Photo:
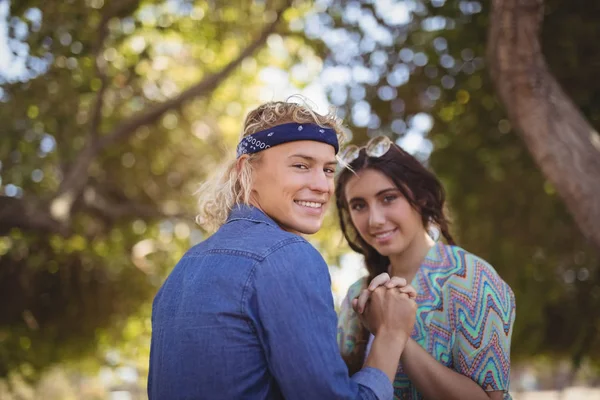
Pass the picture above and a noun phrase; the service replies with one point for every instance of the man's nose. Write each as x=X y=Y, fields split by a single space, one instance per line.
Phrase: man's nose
x=320 y=182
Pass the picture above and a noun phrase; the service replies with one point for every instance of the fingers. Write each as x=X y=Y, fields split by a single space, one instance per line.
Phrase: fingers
x=409 y=290
x=379 y=280
x=355 y=305
x=364 y=296
x=395 y=281
x=383 y=279
x=361 y=301
x=402 y=285
x=403 y=295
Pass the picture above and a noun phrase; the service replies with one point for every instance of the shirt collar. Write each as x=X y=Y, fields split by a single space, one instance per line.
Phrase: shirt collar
x=250 y=213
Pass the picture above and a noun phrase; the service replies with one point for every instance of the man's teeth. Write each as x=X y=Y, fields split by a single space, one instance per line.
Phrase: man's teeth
x=384 y=235
x=310 y=204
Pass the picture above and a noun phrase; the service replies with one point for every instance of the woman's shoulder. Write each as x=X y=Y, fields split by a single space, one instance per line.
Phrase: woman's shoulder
x=475 y=278
x=463 y=262
x=471 y=270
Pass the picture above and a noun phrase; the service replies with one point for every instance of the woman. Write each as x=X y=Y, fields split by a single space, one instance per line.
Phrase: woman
x=391 y=210
x=248 y=313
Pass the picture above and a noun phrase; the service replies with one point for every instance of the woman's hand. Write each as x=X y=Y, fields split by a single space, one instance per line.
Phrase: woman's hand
x=389 y=312
x=359 y=303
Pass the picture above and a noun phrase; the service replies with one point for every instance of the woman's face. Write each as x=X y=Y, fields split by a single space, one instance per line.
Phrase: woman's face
x=380 y=213
x=293 y=183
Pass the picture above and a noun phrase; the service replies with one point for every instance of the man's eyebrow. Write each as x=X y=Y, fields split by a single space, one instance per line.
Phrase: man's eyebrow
x=312 y=159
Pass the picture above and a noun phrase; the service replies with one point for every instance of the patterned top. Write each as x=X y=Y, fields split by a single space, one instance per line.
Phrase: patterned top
x=464 y=319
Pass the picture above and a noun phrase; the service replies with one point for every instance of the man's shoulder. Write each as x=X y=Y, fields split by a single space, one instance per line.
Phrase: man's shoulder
x=248 y=238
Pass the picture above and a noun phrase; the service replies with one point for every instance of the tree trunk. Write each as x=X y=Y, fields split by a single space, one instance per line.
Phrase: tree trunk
x=563 y=144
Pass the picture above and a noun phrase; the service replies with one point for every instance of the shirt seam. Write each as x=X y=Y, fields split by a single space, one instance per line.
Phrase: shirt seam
x=251 y=220
x=242 y=253
x=257 y=257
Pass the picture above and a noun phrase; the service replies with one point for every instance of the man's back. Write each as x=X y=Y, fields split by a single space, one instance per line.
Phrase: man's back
x=204 y=341
x=248 y=314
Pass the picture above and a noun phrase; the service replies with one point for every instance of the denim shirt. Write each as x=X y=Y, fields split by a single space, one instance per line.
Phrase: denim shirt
x=249 y=314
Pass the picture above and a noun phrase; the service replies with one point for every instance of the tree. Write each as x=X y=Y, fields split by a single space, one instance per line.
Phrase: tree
x=126 y=106
x=563 y=143
x=430 y=58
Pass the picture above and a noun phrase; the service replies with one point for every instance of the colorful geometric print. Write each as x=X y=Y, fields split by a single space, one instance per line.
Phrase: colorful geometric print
x=464 y=319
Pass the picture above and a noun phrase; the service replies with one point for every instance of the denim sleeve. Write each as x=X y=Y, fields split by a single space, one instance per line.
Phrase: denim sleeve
x=297 y=325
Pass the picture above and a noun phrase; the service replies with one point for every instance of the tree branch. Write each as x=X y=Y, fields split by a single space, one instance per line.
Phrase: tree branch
x=100 y=66
x=76 y=178
x=98 y=106
x=128 y=128
x=21 y=213
x=118 y=10
x=563 y=144
x=126 y=209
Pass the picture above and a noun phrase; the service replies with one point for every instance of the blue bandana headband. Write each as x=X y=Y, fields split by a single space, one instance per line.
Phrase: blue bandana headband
x=280 y=134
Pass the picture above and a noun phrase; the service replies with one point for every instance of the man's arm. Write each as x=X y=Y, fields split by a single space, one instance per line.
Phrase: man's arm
x=297 y=324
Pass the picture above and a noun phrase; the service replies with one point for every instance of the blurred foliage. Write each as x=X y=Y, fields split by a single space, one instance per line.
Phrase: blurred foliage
x=84 y=293
x=412 y=57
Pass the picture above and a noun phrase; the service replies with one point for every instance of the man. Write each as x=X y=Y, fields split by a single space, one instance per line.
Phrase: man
x=248 y=313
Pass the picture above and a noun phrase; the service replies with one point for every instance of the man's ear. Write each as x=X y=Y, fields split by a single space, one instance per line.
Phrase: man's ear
x=240 y=162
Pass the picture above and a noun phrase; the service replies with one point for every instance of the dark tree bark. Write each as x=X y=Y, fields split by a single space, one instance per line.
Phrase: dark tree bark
x=562 y=142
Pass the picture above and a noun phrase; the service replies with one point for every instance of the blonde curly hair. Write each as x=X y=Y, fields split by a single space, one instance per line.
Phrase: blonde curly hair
x=230 y=187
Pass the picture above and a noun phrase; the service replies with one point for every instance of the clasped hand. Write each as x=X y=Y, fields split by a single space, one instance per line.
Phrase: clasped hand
x=387 y=303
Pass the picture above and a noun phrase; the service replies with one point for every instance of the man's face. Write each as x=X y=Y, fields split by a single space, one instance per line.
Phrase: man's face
x=293 y=182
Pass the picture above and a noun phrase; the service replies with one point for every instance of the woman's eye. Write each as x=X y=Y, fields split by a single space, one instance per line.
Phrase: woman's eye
x=329 y=170
x=357 y=206
x=389 y=199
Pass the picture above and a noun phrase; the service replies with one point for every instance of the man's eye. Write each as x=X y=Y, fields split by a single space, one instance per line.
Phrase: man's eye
x=300 y=166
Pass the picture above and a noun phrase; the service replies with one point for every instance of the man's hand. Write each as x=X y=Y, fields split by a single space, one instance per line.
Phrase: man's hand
x=390 y=312
x=384 y=279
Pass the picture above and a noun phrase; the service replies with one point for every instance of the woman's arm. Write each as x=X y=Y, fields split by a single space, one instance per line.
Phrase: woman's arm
x=481 y=319
x=494 y=318
x=438 y=382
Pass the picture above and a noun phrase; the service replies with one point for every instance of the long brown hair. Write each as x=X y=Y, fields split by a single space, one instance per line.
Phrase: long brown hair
x=422 y=190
